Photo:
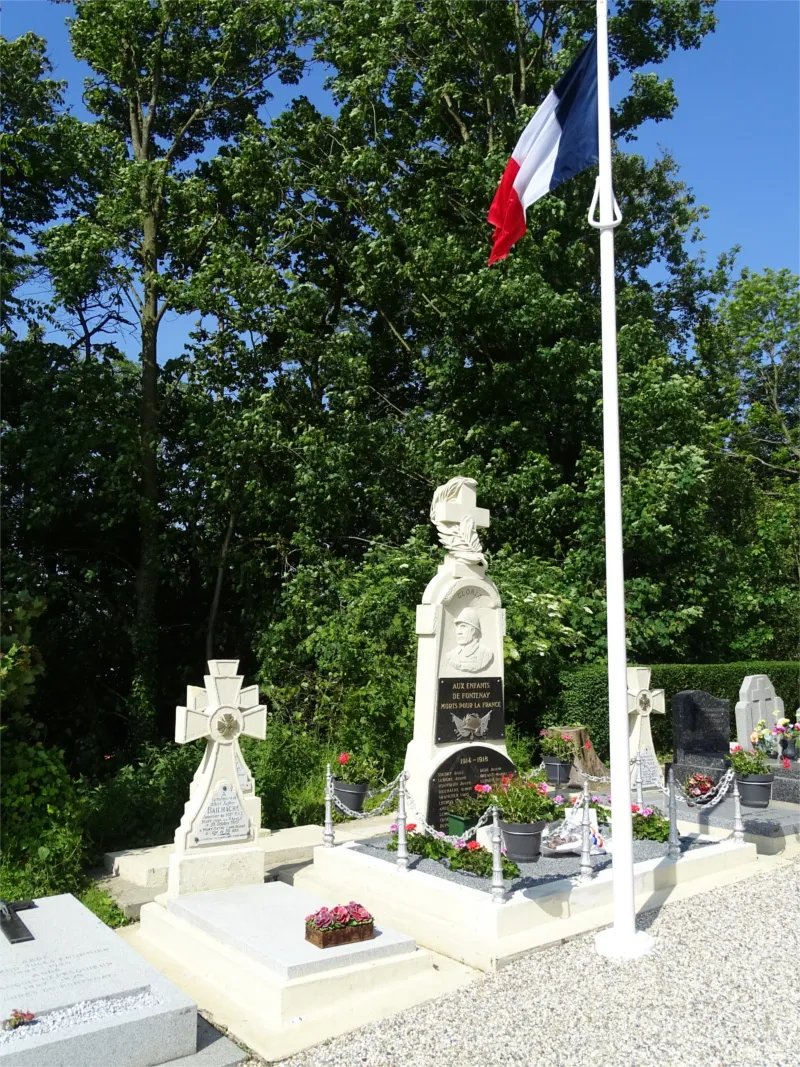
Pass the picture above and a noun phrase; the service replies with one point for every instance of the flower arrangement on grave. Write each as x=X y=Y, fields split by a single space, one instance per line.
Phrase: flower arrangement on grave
x=649 y=824
x=472 y=858
x=430 y=847
x=18 y=1018
x=597 y=802
x=339 y=925
x=698 y=785
x=474 y=805
x=745 y=763
x=354 y=769
x=524 y=801
x=557 y=746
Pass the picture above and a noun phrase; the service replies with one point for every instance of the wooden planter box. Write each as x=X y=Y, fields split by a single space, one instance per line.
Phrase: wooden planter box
x=345 y=935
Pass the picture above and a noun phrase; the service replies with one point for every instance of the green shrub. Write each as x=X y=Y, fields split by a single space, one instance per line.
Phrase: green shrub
x=584 y=694
x=104 y=907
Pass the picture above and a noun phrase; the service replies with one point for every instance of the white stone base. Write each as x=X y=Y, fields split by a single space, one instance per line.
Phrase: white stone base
x=466 y=925
x=214 y=868
x=279 y=996
x=610 y=943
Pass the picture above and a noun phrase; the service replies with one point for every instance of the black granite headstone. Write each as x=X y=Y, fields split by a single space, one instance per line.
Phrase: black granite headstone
x=457 y=775
x=470 y=709
x=701 y=723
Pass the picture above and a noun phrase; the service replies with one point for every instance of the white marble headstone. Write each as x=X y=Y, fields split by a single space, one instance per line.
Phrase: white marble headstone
x=757 y=700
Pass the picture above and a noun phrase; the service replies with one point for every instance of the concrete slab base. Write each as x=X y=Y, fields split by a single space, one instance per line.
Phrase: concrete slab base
x=241 y=985
x=213 y=1050
x=469 y=927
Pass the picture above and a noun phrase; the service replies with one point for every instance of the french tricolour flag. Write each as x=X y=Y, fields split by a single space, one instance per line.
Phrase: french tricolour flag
x=558 y=143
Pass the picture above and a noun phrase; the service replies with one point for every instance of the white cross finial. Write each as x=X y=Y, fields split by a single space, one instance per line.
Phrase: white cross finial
x=456 y=516
x=223 y=710
x=642 y=703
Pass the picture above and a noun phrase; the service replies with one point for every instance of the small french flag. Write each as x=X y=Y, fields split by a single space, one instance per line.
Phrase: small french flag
x=559 y=142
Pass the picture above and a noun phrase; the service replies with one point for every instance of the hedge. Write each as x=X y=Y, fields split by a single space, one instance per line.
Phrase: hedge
x=584 y=694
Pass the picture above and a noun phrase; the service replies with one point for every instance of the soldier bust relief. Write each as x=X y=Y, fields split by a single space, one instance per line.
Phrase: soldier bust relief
x=469 y=654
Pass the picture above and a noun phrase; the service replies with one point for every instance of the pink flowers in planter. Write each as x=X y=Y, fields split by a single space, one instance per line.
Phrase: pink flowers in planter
x=352 y=914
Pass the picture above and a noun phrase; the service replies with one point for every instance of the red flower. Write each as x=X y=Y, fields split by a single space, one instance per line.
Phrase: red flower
x=344 y=757
x=410 y=826
x=587 y=745
x=787 y=763
x=472 y=845
x=566 y=737
x=635 y=809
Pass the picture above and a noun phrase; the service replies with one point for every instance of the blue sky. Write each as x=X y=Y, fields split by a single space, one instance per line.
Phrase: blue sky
x=736 y=133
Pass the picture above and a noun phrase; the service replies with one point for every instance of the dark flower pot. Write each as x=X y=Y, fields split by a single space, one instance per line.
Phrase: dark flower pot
x=557 y=770
x=457 y=825
x=755 y=790
x=351 y=794
x=523 y=840
x=790 y=751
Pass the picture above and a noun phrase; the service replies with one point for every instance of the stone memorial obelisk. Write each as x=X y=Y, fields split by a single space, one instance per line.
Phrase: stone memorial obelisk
x=216 y=844
x=459 y=724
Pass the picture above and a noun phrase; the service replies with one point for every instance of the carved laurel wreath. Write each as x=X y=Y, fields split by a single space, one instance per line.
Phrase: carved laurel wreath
x=461 y=538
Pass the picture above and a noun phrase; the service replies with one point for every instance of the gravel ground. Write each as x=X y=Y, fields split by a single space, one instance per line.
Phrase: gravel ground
x=546 y=868
x=719 y=990
x=85 y=1011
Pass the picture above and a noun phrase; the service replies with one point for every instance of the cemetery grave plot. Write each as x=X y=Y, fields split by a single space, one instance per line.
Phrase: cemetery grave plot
x=95 y=1002
x=546 y=870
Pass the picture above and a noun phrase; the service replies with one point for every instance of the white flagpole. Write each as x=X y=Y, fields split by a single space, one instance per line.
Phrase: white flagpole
x=621 y=939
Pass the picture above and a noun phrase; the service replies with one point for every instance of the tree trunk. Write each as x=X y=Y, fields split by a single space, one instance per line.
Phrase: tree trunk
x=145 y=634
x=212 y=615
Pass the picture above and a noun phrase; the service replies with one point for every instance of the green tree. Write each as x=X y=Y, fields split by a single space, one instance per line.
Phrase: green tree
x=170 y=78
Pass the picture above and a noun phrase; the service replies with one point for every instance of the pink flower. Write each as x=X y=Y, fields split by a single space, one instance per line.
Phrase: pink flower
x=787 y=763
x=358 y=913
x=647 y=811
x=735 y=748
x=340 y=914
x=344 y=757
x=543 y=733
x=566 y=737
x=461 y=843
x=393 y=827
x=587 y=745
x=558 y=800
x=542 y=787
x=323 y=919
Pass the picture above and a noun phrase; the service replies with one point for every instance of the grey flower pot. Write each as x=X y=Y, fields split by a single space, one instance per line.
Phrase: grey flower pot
x=557 y=770
x=351 y=794
x=755 y=790
x=523 y=840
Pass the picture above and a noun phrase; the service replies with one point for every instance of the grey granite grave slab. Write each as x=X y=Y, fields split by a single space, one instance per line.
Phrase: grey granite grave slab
x=115 y=1009
x=780 y=819
x=267 y=923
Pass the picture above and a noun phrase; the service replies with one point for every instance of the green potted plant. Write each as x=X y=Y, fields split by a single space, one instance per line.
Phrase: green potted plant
x=753 y=776
x=526 y=810
x=351 y=780
x=464 y=813
x=557 y=753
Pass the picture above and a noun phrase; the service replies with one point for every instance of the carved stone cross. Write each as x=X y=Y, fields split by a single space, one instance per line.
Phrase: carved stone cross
x=10 y=923
x=757 y=700
x=219 y=810
x=642 y=703
x=456 y=516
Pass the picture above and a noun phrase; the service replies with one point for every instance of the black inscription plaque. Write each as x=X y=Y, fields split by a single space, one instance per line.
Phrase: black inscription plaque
x=701 y=723
x=470 y=709
x=458 y=774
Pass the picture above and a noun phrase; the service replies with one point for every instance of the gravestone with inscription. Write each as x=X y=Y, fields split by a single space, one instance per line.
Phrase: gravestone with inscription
x=215 y=844
x=96 y=1002
x=459 y=709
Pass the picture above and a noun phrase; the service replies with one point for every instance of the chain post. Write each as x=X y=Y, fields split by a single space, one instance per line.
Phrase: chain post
x=587 y=871
x=674 y=848
x=498 y=890
x=328 y=833
x=639 y=787
x=402 y=841
x=738 y=822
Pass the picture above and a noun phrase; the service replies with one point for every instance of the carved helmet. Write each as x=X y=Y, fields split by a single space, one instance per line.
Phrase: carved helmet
x=471 y=617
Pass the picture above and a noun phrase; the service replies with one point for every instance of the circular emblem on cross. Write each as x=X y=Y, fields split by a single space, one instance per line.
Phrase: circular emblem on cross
x=226 y=724
x=643 y=703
